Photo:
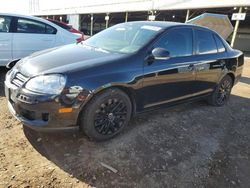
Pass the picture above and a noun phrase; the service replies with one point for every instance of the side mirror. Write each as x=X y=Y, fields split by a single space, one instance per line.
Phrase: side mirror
x=160 y=54
x=12 y=64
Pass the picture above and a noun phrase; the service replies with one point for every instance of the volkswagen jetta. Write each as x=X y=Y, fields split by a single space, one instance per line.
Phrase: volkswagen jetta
x=98 y=84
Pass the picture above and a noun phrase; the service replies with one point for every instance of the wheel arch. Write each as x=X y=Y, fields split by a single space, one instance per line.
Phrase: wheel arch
x=232 y=76
x=129 y=92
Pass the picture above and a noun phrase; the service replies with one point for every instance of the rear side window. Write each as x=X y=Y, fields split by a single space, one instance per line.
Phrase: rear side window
x=5 y=24
x=32 y=26
x=205 y=42
x=220 y=46
x=50 y=30
x=178 y=42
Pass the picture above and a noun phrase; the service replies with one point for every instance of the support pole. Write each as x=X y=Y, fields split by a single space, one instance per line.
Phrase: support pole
x=107 y=23
x=187 y=16
x=107 y=20
x=235 y=29
x=126 y=17
x=74 y=20
x=91 y=24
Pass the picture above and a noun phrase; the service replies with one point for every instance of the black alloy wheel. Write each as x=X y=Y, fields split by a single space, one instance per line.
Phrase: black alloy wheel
x=110 y=116
x=106 y=114
x=221 y=94
x=224 y=92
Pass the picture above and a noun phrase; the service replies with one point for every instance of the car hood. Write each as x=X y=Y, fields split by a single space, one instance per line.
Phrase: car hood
x=63 y=59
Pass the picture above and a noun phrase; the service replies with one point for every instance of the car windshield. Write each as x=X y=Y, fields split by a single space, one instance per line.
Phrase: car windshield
x=123 y=38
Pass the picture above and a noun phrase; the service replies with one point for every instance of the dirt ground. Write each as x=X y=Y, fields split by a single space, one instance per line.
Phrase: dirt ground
x=192 y=145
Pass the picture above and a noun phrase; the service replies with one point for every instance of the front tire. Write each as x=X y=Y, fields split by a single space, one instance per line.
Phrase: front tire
x=221 y=94
x=106 y=115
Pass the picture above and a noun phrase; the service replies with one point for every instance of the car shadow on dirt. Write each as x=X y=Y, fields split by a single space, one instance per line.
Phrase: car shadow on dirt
x=190 y=145
x=245 y=80
x=186 y=146
x=3 y=71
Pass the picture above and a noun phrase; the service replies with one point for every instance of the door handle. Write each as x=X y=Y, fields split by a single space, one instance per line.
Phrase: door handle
x=200 y=68
x=222 y=64
x=191 y=67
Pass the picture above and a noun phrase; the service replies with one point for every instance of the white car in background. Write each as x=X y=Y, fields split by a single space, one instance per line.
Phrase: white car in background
x=22 y=35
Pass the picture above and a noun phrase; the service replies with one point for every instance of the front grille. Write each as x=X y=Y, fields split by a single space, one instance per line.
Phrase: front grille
x=19 y=79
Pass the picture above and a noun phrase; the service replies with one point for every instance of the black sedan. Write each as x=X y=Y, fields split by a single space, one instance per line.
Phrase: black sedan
x=97 y=85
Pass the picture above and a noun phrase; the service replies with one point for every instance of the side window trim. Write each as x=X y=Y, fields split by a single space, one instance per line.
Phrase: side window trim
x=194 y=42
x=218 y=38
x=12 y=24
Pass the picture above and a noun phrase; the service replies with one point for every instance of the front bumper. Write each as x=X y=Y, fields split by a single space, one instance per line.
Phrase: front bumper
x=39 y=112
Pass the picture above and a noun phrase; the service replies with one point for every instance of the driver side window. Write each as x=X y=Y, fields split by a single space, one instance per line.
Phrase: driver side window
x=5 y=24
x=178 y=42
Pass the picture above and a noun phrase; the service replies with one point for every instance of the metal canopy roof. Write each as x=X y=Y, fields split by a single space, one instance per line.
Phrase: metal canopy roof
x=217 y=22
x=48 y=7
x=199 y=4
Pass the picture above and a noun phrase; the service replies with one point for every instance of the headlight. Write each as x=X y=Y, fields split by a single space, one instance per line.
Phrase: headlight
x=7 y=76
x=10 y=74
x=49 y=84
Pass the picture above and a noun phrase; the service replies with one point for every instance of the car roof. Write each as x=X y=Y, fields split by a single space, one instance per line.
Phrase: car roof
x=169 y=24
x=56 y=21
x=31 y=17
x=162 y=24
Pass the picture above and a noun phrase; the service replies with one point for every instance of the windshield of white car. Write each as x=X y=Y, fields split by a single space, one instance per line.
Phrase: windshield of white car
x=123 y=38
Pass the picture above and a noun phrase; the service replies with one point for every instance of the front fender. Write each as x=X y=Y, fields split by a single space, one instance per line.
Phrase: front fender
x=127 y=83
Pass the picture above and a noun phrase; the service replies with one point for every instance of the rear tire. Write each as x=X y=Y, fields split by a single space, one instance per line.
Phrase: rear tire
x=221 y=94
x=106 y=115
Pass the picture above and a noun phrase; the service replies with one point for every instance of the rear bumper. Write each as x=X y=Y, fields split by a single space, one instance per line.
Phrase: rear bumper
x=39 y=112
x=239 y=68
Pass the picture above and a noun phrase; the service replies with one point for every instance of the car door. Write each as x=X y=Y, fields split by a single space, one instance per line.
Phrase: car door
x=31 y=36
x=172 y=79
x=210 y=60
x=5 y=40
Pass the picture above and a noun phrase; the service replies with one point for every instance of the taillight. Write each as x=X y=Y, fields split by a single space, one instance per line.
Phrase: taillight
x=80 y=39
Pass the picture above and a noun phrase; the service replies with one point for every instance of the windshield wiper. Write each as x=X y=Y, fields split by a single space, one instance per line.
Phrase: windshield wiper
x=95 y=48
x=100 y=50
